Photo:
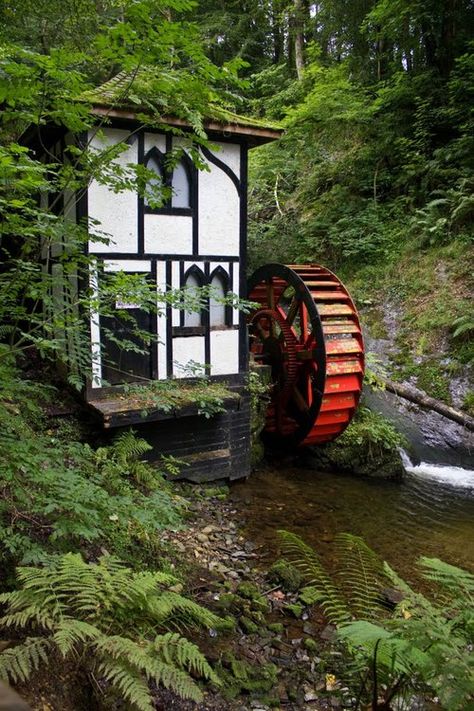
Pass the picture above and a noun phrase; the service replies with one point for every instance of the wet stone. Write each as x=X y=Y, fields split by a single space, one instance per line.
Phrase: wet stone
x=208 y=529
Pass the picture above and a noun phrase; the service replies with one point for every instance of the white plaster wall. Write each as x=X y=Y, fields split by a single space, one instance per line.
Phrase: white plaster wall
x=116 y=212
x=175 y=285
x=127 y=265
x=168 y=234
x=224 y=352
x=186 y=349
x=219 y=217
x=200 y=265
x=236 y=312
x=229 y=153
x=224 y=265
x=152 y=140
x=95 y=334
x=161 y=321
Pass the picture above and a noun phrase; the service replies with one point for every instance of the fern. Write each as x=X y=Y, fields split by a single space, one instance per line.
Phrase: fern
x=129 y=682
x=19 y=662
x=423 y=645
x=456 y=580
x=143 y=658
x=178 y=650
x=125 y=457
x=362 y=576
x=463 y=325
x=110 y=615
x=307 y=561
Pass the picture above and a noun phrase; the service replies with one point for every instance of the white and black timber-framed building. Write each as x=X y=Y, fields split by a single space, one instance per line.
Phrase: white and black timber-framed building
x=197 y=237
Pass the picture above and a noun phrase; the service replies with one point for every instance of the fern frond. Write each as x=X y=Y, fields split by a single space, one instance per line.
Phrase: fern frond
x=175 y=649
x=362 y=575
x=129 y=682
x=307 y=561
x=32 y=615
x=143 y=659
x=17 y=663
x=127 y=446
x=394 y=655
x=455 y=580
x=172 y=605
x=71 y=632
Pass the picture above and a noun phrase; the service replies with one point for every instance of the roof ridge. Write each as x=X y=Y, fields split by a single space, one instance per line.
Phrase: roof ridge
x=115 y=93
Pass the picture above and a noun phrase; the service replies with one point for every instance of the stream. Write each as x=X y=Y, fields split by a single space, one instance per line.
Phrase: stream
x=431 y=512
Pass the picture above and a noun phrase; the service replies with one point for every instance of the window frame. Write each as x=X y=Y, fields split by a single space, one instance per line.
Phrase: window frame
x=167 y=177
x=222 y=275
x=183 y=329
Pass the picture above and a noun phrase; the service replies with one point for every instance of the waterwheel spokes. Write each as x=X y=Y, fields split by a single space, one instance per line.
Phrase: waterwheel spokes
x=314 y=346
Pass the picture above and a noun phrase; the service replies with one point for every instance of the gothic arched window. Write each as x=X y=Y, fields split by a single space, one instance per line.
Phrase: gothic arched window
x=194 y=279
x=181 y=186
x=178 y=181
x=155 y=163
x=218 y=311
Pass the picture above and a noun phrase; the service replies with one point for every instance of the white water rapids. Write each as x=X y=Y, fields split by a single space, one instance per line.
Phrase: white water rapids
x=443 y=473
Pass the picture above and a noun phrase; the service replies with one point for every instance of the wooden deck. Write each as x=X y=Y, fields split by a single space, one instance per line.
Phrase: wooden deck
x=120 y=409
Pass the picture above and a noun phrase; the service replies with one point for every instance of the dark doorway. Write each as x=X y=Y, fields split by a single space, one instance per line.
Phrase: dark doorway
x=121 y=364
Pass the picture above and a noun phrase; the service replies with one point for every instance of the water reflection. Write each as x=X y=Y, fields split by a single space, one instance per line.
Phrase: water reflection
x=423 y=515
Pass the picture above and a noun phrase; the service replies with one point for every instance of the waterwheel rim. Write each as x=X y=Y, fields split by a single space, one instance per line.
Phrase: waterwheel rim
x=306 y=328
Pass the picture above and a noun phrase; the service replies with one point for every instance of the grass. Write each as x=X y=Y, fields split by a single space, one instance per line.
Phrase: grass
x=429 y=290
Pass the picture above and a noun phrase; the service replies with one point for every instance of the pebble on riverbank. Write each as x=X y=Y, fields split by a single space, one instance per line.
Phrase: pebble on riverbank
x=271 y=660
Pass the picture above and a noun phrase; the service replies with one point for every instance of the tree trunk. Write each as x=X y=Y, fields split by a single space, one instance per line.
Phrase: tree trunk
x=277 y=33
x=299 y=38
x=428 y=402
x=448 y=34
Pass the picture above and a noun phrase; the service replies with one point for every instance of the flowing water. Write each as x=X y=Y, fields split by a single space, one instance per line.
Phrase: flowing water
x=430 y=513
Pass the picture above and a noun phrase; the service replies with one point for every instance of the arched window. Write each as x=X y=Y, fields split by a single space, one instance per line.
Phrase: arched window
x=181 y=186
x=193 y=280
x=217 y=309
x=154 y=163
x=220 y=315
x=178 y=181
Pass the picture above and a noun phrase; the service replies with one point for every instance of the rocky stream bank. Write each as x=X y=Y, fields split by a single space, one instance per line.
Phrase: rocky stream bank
x=280 y=654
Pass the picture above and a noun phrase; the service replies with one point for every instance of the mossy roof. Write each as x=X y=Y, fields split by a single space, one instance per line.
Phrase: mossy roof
x=122 y=93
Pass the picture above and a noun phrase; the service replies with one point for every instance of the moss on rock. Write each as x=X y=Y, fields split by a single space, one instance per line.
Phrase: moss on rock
x=368 y=447
x=285 y=575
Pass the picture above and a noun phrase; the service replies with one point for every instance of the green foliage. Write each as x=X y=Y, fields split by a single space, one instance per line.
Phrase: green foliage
x=257 y=389
x=468 y=403
x=62 y=494
x=420 y=644
x=172 y=395
x=108 y=616
x=449 y=214
x=463 y=326
x=372 y=433
x=240 y=676
x=307 y=561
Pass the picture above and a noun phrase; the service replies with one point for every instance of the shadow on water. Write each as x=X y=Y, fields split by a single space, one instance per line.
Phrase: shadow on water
x=429 y=513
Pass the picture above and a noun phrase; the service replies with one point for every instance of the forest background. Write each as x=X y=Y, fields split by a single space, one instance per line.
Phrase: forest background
x=373 y=177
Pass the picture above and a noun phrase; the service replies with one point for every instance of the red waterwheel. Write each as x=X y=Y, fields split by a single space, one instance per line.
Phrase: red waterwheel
x=307 y=329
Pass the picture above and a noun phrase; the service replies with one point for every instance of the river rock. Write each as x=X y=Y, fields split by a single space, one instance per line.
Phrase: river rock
x=333 y=458
x=208 y=529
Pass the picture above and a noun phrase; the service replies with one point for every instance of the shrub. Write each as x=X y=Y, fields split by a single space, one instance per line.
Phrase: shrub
x=57 y=496
x=112 y=619
x=419 y=644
